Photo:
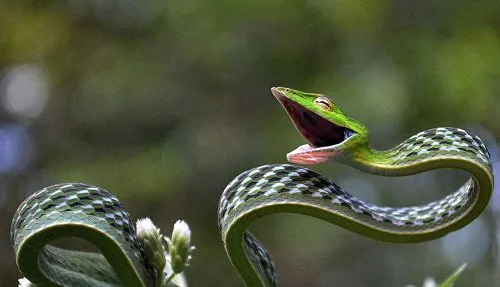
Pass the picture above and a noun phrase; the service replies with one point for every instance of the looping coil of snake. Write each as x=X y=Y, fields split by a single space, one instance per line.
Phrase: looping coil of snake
x=95 y=215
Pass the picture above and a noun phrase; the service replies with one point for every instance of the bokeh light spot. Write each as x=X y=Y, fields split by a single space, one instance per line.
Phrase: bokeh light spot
x=16 y=148
x=25 y=91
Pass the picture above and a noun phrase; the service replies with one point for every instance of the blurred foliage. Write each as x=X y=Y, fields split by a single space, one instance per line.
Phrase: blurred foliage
x=450 y=281
x=164 y=102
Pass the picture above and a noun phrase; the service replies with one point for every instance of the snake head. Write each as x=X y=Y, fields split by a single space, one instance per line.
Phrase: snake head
x=328 y=130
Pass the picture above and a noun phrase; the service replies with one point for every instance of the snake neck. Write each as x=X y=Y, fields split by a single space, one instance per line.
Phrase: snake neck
x=370 y=160
x=400 y=161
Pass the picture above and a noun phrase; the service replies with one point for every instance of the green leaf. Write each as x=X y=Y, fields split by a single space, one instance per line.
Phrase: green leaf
x=451 y=280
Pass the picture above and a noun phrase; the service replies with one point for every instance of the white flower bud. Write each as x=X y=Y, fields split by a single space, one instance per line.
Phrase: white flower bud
x=151 y=240
x=181 y=233
x=145 y=227
x=180 y=246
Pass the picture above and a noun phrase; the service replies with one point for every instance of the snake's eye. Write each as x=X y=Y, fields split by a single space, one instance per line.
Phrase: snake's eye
x=324 y=103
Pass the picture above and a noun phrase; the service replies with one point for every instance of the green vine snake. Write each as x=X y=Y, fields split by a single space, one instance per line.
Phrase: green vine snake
x=331 y=134
x=95 y=215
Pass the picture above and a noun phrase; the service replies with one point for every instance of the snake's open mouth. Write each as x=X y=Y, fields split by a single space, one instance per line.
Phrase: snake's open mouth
x=317 y=130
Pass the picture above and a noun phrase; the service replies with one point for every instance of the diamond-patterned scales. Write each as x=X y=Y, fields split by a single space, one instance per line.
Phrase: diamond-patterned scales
x=83 y=205
x=270 y=185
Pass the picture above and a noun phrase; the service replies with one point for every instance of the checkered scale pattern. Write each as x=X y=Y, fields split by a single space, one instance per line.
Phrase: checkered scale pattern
x=260 y=258
x=275 y=186
x=440 y=142
x=84 y=205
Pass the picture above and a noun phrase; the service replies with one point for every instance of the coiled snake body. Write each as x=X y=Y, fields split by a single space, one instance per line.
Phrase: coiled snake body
x=88 y=212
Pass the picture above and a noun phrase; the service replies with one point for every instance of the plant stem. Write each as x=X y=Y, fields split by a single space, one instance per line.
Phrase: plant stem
x=168 y=279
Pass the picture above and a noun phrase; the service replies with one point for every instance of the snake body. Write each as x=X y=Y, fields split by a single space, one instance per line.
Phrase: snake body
x=285 y=188
x=93 y=214
x=83 y=211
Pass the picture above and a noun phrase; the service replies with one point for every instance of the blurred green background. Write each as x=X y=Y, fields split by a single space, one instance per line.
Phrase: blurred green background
x=164 y=102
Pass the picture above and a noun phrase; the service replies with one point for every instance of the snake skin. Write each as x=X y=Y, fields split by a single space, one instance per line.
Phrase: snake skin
x=443 y=142
x=83 y=207
x=80 y=210
x=272 y=186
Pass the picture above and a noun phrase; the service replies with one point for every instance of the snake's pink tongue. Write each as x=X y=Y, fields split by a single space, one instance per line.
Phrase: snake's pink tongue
x=306 y=154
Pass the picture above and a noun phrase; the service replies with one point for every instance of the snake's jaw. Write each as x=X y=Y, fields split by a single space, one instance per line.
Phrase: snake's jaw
x=327 y=139
x=307 y=154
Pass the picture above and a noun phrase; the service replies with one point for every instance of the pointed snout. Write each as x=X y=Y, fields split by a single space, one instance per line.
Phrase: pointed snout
x=277 y=93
